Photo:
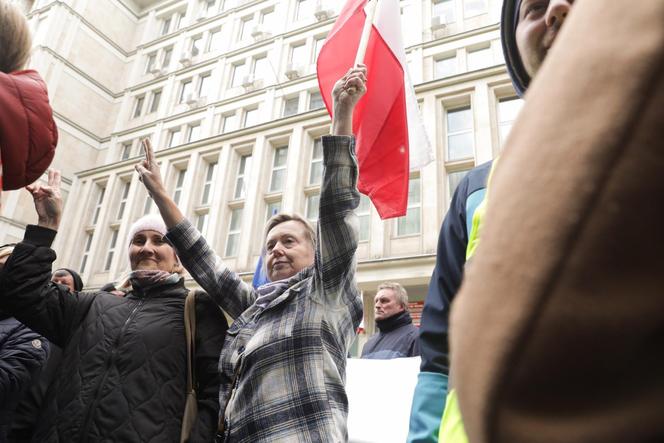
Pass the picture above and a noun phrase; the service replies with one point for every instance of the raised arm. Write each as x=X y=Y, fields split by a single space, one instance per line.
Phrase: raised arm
x=337 y=234
x=26 y=290
x=224 y=286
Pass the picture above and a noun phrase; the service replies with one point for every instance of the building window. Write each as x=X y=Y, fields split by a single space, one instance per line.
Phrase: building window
x=202 y=222
x=86 y=251
x=290 y=106
x=298 y=55
x=318 y=45
x=267 y=19
x=273 y=208
x=98 y=205
x=111 y=249
x=154 y=103
x=179 y=19
x=445 y=10
x=196 y=45
x=364 y=215
x=313 y=202
x=193 y=132
x=508 y=110
x=315 y=100
x=179 y=186
x=208 y=7
x=239 y=72
x=229 y=123
x=472 y=8
x=124 y=194
x=250 y=118
x=479 y=58
x=166 y=25
x=174 y=137
x=166 y=58
x=185 y=90
x=148 y=205
x=410 y=223
x=261 y=67
x=246 y=25
x=138 y=106
x=316 y=170
x=445 y=67
x=208 y=186
x=303 y=9
x=214 y=41
x=125 y=151
x=453 y=180
x=460 y=143
x=242 y=173
x=151 y=61
x=278 y=177
x=234 y=229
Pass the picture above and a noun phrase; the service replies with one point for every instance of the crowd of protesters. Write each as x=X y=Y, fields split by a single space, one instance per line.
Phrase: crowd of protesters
x=148 y=360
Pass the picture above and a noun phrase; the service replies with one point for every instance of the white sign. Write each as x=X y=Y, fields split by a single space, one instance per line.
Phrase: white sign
x=380 y=393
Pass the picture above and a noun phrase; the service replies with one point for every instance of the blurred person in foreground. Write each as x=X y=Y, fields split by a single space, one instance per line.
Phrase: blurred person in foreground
x=28 y=135
x=529 y=29
x=557 y=331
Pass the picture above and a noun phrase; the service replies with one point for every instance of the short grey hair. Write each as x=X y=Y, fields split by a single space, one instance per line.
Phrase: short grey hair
x=284 y=217
x=400 y=291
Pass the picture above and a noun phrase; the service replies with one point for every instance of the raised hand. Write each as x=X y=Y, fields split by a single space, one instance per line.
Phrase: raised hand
x=347 y=91
x=48 y=200
x=148 y=171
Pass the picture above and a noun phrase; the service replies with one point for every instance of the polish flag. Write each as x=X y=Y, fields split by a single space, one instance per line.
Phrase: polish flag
x=390 y=135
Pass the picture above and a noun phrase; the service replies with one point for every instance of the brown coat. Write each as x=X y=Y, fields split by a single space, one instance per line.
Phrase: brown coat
x=558 y=331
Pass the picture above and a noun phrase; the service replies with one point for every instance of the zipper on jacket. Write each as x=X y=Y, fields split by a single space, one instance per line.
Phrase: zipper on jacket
x=109 y=364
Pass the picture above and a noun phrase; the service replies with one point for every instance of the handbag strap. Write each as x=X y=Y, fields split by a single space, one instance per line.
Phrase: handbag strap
x=190 y=335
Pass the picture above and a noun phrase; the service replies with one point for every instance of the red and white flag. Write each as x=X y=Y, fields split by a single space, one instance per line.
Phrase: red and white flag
x=389 y=131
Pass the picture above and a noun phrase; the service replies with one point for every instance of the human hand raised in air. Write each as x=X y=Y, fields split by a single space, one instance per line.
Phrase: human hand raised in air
x=150 y=175
x=148 y=171
x=347 y=91
x=48 y=200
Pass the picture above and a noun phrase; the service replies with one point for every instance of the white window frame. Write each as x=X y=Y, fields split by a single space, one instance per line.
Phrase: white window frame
x=278 y=168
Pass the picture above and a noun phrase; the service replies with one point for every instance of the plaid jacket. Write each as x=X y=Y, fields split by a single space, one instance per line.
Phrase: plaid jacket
x=283 y=365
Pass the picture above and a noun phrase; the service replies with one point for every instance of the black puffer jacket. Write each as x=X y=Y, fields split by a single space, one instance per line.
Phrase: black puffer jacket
x=22 y=353
x=123 y=373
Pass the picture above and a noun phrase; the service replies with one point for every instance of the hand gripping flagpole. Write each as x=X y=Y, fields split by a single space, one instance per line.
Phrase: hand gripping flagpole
x=370 y=9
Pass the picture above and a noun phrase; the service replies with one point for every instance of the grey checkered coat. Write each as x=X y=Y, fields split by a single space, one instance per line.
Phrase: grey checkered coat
x=290 y=356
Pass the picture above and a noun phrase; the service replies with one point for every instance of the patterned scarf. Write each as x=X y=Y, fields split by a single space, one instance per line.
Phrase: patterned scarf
x=270 y=291
x=147 y=278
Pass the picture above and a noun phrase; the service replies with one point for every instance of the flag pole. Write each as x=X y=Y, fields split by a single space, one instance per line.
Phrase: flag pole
x=364 y=39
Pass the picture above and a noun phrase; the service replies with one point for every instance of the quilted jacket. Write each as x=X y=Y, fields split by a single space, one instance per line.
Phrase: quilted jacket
x=22 y=353
x=123 y=373
x=28 y=135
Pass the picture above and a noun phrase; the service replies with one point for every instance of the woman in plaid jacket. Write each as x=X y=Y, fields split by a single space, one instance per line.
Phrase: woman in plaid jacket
x=284 y=360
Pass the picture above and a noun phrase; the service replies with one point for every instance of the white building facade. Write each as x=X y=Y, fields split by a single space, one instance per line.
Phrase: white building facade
x=228 y=94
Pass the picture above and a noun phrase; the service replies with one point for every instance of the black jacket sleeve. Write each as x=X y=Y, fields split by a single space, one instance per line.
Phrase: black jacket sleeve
x=27 y=293
x=22 y=354
x=211 y=326
x=445 y=282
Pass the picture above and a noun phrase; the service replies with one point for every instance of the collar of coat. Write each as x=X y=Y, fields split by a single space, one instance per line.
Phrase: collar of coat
x=394 y=322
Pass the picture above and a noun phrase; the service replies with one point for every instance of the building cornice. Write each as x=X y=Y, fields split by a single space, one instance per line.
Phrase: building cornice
x=107 y=39
x=112 y=95
x=215 y=139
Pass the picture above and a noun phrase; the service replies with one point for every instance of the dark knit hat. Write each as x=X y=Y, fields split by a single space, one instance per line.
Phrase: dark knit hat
x=508 y=23
x=78 y=282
